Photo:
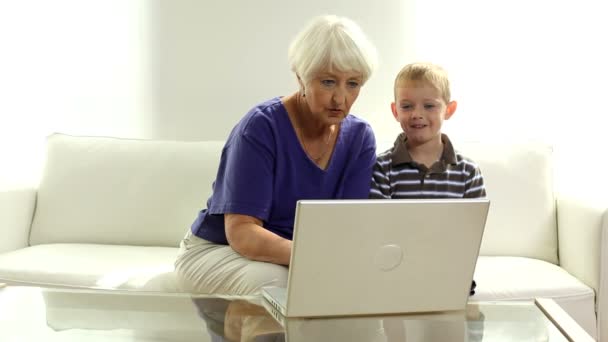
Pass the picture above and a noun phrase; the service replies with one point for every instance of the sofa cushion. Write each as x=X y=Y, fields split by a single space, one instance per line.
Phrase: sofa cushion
x=122 y=191
x=519 y=183
x=90 y=265
x=517 y=278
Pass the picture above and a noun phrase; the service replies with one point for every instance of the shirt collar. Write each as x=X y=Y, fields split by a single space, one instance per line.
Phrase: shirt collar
x=401 y=155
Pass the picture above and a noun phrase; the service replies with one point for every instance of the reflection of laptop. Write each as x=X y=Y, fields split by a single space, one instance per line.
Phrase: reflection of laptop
x=446 y=326
x=362 y=257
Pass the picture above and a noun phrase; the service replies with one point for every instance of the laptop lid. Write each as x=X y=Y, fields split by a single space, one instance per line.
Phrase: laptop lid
x=361 y=257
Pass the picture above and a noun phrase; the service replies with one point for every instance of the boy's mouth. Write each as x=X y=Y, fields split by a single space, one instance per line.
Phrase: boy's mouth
x=418 y=126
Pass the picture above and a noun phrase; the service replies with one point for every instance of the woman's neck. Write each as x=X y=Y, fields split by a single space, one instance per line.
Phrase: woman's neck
x=309 y=126
x=317 y=139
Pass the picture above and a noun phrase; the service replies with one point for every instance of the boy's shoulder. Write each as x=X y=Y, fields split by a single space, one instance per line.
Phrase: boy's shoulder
x=386 y=154
x=465 y=163
x=385 y=157
x=453 y=156
x=461 y=158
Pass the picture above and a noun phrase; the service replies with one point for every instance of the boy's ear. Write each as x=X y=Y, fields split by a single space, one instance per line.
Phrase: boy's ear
x=450 y=109
x=394 y=110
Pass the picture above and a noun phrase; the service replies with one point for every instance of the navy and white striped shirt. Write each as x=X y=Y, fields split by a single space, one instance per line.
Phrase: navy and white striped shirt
x=397 y=175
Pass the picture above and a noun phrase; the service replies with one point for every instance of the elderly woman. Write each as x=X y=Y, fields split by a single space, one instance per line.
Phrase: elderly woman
x=302 y=146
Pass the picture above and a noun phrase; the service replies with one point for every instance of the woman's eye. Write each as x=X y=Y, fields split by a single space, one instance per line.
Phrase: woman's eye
x=353 y=84
x=328 y=83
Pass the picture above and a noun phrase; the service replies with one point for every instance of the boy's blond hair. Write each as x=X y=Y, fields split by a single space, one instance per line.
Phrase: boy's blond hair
x=428 y=73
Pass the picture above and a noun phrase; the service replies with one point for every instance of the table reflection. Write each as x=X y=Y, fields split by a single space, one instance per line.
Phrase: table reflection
x=250 y=320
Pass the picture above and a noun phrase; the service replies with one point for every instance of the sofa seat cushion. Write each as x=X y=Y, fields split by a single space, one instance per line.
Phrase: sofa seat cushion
x=92 y=265
x=519 y=278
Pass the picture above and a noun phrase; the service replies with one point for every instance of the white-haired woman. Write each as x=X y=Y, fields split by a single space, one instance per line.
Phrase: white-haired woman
x=302 y=146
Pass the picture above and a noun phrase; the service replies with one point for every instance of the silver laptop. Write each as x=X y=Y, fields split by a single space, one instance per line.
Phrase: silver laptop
x=365 y=257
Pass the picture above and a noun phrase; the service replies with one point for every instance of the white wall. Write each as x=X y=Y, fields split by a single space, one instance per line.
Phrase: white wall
x=78 y=67
x=179 y=69
x=186 y=69
x=521 y=69
x=527 y=70
x=212 y=63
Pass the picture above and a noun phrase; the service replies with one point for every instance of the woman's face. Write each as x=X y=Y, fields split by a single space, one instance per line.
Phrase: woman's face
x=330 y=95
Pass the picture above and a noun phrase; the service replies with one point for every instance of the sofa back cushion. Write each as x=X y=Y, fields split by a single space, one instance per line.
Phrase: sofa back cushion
x=144 y=192
x=519 y=184
x=122 y=191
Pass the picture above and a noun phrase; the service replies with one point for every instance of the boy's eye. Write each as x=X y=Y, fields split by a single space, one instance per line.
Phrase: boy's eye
x=429 y=106
x=407 y=106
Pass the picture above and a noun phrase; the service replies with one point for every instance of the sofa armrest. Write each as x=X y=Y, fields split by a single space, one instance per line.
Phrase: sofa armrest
x=602 y=294
x=580 y=229
x=16 y=211
x=583 y=248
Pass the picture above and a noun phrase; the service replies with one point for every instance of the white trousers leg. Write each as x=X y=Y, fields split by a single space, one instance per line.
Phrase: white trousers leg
x=210 y=268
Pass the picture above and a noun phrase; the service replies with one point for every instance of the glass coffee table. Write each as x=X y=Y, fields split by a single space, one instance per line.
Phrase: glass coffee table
x=64 y=314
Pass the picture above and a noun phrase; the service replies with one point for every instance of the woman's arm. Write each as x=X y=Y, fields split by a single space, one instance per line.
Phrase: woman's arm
x=246 y=235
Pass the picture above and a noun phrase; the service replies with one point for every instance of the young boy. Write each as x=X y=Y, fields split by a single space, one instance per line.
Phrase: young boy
x=423 y=162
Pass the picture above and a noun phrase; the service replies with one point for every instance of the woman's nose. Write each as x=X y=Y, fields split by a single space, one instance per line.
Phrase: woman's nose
x=339 y=96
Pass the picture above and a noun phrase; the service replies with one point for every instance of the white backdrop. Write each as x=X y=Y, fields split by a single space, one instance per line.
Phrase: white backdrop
x=188 y=70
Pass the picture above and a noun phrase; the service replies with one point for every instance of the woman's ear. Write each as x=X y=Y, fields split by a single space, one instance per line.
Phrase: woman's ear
x=450 y=109
x=301 y=83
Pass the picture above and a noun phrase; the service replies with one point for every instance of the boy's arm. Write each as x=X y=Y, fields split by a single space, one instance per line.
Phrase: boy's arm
x=380 y=187
x=474 y=187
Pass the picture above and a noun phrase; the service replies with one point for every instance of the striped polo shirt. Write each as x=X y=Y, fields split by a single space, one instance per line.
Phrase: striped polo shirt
x=396 y=175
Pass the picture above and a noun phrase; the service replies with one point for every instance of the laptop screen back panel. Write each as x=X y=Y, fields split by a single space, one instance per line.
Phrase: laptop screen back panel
x=356 y=257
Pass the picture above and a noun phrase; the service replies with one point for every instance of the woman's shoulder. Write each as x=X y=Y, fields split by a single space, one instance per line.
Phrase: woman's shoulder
x=355 y=120
x=356 y=135
x=264 y=115
x=268 y=106
x=266 y=109
x=358 y=129
x=357 y=125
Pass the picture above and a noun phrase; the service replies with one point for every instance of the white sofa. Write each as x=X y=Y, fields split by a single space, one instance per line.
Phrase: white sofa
x=110 y=213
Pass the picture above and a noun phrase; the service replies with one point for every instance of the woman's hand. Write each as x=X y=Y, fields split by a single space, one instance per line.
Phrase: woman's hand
x=248 y=237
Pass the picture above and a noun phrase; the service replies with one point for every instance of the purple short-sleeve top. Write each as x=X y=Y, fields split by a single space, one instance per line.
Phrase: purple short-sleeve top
x=264 y=171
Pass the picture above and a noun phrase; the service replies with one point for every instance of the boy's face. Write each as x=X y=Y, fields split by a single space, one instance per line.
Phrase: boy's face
x=420 y=110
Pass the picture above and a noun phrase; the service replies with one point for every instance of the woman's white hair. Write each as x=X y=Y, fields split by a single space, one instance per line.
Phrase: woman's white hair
x=328 y=43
